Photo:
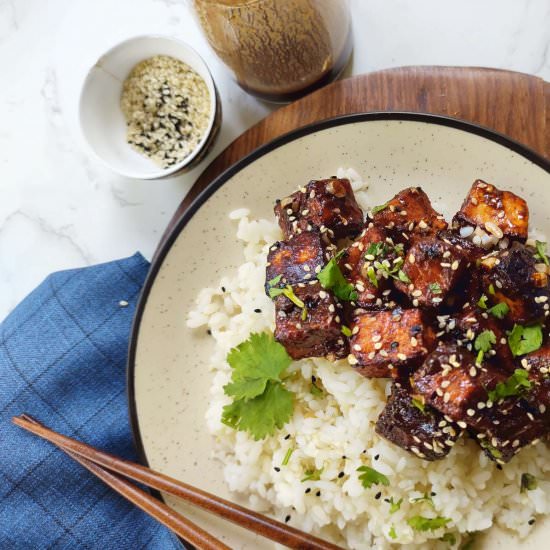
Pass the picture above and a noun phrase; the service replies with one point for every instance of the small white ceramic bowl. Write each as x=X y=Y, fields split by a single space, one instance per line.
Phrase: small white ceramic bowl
x=102 y=121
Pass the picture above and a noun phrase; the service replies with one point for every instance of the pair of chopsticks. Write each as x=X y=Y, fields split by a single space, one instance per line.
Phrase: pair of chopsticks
x=110 y=470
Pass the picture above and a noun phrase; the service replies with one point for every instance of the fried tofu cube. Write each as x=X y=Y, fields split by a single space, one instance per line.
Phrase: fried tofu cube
x=372 y=292
x=500 y=213
x=451 y=381
x=432 y=268
x=424 y=433
x=389 y=343
x=314 y=330
x=515 y=281
x=410 y=211
x=328 y=205
x=296 y=260
x=538 y=365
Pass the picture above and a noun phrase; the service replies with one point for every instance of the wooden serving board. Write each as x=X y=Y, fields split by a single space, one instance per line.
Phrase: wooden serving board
x=514 y=104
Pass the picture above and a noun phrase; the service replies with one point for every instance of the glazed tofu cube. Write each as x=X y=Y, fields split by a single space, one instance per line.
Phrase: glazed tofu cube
x=328 y=205
x=373 y=292
x=410 y=211
x=451 y=381
x=515 y=281
x=500 y=213
x=389 y=343
x=432 y=267
x=425 y=434
x=296 y=260
x=538 y=365
x=503 y=429
x=471 y=322
x=311 y=331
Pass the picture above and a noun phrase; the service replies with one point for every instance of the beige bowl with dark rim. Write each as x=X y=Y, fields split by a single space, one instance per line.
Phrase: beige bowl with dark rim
x=102 y=121
x=168 y=375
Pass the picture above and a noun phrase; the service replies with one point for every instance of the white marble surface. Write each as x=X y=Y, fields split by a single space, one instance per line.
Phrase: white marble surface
x=59 y=208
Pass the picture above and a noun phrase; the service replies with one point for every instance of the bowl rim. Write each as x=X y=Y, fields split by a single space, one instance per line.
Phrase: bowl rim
x=214 y=108
x=215 y=184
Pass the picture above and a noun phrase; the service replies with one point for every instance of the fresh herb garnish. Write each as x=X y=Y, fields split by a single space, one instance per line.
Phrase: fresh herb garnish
x=402 y=276
x=379 y=208
x=346 y=331
x=482 y=302
x=391 y=533
x=483 y=343
x=315 y=389
x=419 y=403
x=371 y=274
x=420 y=523
x=541 y=252
x=370 y=477
x=288 y=291
x=524 y=340
x=516 y=384
x=425 y=498
x=288 y=454
x=499 y=310
x=495 y=453
x=274 y=281
x=377 y=249
x=395 y=506
x=528 y=482
x=260 y=401
x=491 y=289
x=392 y=270
x=435 y=288
x=312 y=475
x=331 y=278
x=448 y=537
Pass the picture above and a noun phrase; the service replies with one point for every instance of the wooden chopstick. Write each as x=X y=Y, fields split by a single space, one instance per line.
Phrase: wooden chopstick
x=253 y=521
x=152 y=506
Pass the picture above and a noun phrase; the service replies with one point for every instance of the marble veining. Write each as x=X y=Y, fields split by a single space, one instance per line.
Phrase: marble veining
x=60 y=208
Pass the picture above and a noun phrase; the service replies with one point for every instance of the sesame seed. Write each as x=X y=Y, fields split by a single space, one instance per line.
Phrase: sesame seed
x=411 y=258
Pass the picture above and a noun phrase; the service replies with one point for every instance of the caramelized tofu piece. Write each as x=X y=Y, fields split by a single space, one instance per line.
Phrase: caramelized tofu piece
x=328 y=205
x=538 y=365
x=473 y=321
x=516 y=282
x=505 y=428
x=433 y=268
x=373 y=243
x=389 y=343
x=317 y=332
x=426 y=434
x=500 y=213
x=297 y=260
x=466 y=248
x=451 y=382
x=410 y=211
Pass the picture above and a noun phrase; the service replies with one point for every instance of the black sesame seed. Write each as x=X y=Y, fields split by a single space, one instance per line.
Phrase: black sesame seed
x=341 y=474
x=308 y=490
x=378 y=495
x=499 y=467
x=257 y=310
x=433 y=494
x=209 y=332
x=531 y=521
x=287 y=436
x=223 y=289
x=318 y=494
x=344 y=457
x=376 y=457
x=277 y=469
x=287 y=519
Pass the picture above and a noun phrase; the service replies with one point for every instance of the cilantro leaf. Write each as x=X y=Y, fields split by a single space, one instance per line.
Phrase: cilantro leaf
x=402 y=276
x=376 y=249
x=391 y=533
x=435 y=288
x=541 y=252
x=312 y=475
x=516 y=384
x=395 y=506
x=482 y=302
x=371 y=274
x=370 y=477
x=254 y=362
x=485 y=341
x=499 y=310
x=492 y=289
x=346 y=331
x=419 y=403
x=495 y=453
x=331 y=278
x=420 y=523
x=524 y=340
x=379 y=208
x=448 y=537
x=261 y=415
x=528 y=482
x=274 y=281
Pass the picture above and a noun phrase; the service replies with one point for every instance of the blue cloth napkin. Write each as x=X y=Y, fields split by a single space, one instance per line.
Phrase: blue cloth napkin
x=63 y=359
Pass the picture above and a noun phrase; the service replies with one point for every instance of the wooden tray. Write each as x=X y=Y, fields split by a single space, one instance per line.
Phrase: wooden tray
x=515 y=104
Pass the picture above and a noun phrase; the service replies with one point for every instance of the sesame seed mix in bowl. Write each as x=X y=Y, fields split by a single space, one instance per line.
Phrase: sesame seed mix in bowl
x=362 y=390
x=167 y=109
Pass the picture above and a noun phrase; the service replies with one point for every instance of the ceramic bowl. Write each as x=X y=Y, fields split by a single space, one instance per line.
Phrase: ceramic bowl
x=168 y=375
x=102 y=121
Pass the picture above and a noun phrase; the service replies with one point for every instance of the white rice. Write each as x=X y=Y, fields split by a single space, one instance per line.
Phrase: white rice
x=468 y=487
